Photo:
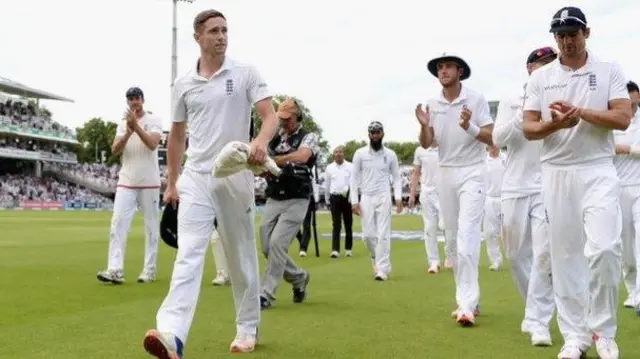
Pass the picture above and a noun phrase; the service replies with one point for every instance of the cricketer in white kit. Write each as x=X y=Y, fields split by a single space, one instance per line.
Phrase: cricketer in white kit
x=492 y=208
x=459 y=119
x=137 y=138
x=573 y=104
x=627 y=162
x=425 y=167
x=215 y=100
x=525 y=232
x=373 y=165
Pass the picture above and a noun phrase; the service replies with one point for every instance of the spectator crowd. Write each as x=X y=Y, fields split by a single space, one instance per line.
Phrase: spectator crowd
x=23 y=188
x=29 y=117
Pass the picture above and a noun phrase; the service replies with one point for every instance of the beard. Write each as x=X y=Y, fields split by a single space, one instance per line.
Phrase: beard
x=376 y=144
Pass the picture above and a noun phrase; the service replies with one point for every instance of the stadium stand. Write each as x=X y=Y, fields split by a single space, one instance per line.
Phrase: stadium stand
x=31 y=144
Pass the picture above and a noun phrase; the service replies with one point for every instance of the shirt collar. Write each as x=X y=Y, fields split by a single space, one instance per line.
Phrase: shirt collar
x=227 y=65
x=461 y=97
x=590 y=60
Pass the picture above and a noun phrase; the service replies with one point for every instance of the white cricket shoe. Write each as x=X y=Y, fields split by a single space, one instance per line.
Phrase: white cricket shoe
x=243 y=343
x=434 y=268
x=381 y=277
x=146 y=277
x=629 y=303
x=111 y=276
x=348 y=253
x=465 y=319
x=335 y=254
x=541 y=338
x=495 y=267
x=302 y=254
x=221 y=279
x=163 y=345
x=571 y=351
x=607 y=348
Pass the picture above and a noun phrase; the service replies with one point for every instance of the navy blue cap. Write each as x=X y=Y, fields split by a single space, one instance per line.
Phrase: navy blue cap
x=568 y=19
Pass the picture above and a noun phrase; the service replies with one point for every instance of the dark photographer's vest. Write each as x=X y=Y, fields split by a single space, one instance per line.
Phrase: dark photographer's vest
x=295 y=182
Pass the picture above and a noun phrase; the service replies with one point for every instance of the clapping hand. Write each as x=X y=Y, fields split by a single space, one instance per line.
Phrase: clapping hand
x=564 y=114
x=465 y=117
x=423 y=116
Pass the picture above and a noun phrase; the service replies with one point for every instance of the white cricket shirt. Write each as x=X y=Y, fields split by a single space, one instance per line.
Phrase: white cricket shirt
x=217 y=110
x=456 y=147
x=628 y=167
x=522 y=174
x=337 y=179
x=494 y=175
x=591 y=86
x=372 y=170
x=427 y=160
x=139 y=165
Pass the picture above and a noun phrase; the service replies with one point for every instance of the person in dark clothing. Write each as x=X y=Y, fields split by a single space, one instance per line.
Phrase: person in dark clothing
x=337 y=179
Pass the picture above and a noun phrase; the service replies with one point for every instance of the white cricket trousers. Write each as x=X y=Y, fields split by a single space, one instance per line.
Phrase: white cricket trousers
x=230 y=200
x=630 y=204
x=217 y=248
x=124 y=209
x=491 y=228
x=461 y=191
x=525 y=238
x=430 y=206
x=375 y=211
x=585 y=222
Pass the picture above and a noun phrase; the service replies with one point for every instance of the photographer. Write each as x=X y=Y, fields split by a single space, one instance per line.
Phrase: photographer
x=294 y=150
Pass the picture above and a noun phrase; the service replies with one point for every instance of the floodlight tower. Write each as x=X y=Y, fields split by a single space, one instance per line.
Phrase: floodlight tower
x=174 y=40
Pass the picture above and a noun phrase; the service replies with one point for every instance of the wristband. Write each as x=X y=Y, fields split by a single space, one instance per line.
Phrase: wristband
x=473 y=130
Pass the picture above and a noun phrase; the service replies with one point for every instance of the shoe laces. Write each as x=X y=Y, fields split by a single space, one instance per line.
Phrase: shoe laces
x=606 y=344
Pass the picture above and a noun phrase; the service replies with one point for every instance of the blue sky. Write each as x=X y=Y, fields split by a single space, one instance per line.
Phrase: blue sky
x=349 y=61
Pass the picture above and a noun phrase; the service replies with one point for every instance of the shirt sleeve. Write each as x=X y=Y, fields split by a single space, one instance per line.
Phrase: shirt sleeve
x=482 y=116
x=257 y=88
x=156 y=125
x=355 y=177
x=416 y=157
x=121 y=130
x=396 y=177
x=310 y=141
x=617 y=84
x=533 y=93
x=178 y=105
x=508 y=124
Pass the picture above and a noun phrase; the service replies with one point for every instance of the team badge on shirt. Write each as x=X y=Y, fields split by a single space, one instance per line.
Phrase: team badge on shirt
x=229 y=85
x=592 y=82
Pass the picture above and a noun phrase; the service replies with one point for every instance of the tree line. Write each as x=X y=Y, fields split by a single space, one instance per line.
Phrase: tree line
x=96 y=136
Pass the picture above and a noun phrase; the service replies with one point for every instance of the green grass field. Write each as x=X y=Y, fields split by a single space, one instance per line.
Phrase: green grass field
x=52 y=306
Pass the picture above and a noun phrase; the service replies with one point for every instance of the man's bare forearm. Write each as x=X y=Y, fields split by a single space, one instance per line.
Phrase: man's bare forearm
x=426 y=137
x=486 y=135
x=537 y=130
x=616 y=119
x=149 y=140
x=268 y=129
x=414 y=183
x=175 y=153
x=119 y=143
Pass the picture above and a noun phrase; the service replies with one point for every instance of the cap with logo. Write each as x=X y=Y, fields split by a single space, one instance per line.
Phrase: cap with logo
x=375 y=126
x=432 y=65
x=134 y=92
x=568 y=19
x=541 y=53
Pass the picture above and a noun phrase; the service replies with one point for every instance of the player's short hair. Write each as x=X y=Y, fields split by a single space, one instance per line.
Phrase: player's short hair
x=632 y=87
x=203 y=16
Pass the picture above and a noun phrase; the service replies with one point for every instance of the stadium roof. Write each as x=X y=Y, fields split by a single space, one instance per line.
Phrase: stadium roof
x=15 y=88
